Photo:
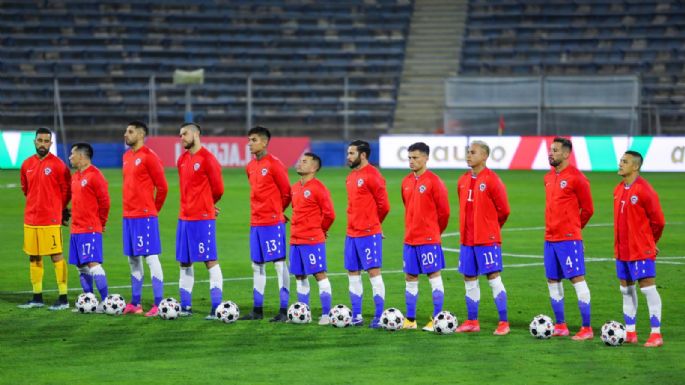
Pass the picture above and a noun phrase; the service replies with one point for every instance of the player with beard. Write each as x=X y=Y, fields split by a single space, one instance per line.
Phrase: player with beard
x=144 y=191
x=45 y=182
x=201 y=186
x=367 y=207
x=568 y=208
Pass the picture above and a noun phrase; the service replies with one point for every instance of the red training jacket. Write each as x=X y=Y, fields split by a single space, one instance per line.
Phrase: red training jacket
x=201 y=185
x=638 y=221
x=427 y=208
x=568 y=204
x=269 y=190
x=367 y=202
x=47 y=186
x=313 y=213
x=143 y=175
x=89 y=201
x=489 y=208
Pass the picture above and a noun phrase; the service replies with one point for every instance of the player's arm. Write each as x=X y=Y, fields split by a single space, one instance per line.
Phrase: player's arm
x=282 y=183
x=498 y=194
x=327 y=211
x=216 y=181
x=24 y=180
x=655 y=214
x=156 y=171
x=584 y=200
x=102 y=196
x=380 y=196
x=442 y=204
x=65 y=186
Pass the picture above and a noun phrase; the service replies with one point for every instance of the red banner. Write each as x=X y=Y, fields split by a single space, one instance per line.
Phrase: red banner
x=230 y=151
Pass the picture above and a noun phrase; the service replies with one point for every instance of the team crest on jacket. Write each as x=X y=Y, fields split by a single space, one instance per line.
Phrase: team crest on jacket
x=482 y=187
x=196 y=166
x=48 y=170
x=264 y=171
x=422 y=189
x=84 y=182
x=138 y=160
x=360 y=182
x=307 y=193
x=633 y=199
x=563 y=184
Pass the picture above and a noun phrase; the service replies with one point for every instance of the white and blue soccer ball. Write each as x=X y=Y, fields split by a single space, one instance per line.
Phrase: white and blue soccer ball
x=169 y=308
x=227 y=312
x=86 y=303
x=541 y=327
x=445 y=322
x=613 y=333
x=299 y=313
x=114 y=304
x=392 y=319
x=340 y=315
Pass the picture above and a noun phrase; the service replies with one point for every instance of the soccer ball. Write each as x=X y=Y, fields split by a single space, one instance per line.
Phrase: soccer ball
x=114 y=304
x=299 y=313
x=613 y=333
x=541 y=327
x=227 y=312
x=86 y=303
x=169 y=308
x=341 y=316
x=444 y=322
x=392 y=319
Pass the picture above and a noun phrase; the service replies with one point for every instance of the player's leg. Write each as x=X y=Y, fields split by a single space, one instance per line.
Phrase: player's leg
x=431 y=261
x=629 y=294
x=283 y=277
x=157 y=278
x=297 y=269
x=378 y=289
x=355 y=287
x=574 y=264
x=468 y=266
x=438 y=294
x=646 y=275
x=186 y=279
x=490 y=265
x=325 y=295
x=35 y=268
x=136 y=265
x=216 y=286
x=258 y=276
x=100 y=278
x=554 y=274
x=61 y=278
x=411 y=291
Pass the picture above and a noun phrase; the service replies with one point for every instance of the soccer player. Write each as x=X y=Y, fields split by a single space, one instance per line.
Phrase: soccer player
x=638 y=224
x=367 y=207
x=45 y=181
x=313 y=215
x=269 y=196
x=483 y=210
x=427 y=212
x=145 y=189
x=568 y=208
x=90 y=210
x=201 y=186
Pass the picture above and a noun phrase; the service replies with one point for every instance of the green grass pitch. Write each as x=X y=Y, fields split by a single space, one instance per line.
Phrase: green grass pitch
x=39 y=347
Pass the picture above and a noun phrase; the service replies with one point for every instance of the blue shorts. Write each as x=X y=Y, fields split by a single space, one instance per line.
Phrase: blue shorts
x=307 y=259
x=635 y=270
x=196 y=241
x=363 y=253
x=141 y=236
x=267 y=243
x=423 y=259
x=480 y=260
x=564 y=259
x=85 y=248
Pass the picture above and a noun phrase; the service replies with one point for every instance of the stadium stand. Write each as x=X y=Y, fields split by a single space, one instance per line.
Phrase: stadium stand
x=297 y=54
x=585 y=37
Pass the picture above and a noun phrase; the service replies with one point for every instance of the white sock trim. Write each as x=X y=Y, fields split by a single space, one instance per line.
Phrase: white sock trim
x=302 y=286
x=282 y=274
x=355 y=285
x=324 y=286
x=436 y=284
x=136 y=266
x=472 y=290
x=412 y=287
x=258 y=277
x=582 y=291
x=497 y=286
x=186 y=280
x=378 y=286
x=216 y=278
x=556 y=290
x=155 y=267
